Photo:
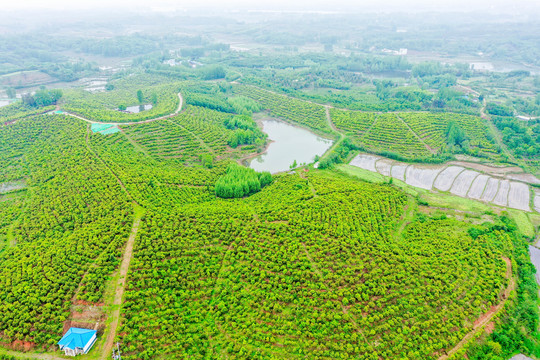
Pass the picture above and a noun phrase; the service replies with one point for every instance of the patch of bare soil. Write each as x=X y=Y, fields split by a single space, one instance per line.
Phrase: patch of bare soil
x=21 y=345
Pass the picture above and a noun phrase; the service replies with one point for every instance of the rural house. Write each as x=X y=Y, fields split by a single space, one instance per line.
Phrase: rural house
x=77 y=341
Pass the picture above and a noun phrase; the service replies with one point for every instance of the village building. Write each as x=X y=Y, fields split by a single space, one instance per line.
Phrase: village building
x=77 y=341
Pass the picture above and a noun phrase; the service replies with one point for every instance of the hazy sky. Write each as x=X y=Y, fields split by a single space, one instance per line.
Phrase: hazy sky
x=378 y=5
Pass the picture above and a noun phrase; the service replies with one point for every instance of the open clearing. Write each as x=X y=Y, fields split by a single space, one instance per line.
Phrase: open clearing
x=458 y=180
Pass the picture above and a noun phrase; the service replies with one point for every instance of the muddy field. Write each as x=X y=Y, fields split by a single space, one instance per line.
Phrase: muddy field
x=421 y=177
x=502 y=195
x=366 y=162
x=519 y=196
x=477 y=187
x=480 y=182
x=463 y=182
x=445 y=180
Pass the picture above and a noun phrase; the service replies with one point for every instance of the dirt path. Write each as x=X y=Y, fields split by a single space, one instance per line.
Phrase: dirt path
x=201 y=141
x=417 y=136
x=406 y=217
x=487 y=317
x=495 y=132
x=120 y=287
x=122 y=185
x=178 y=109
x=334 y=130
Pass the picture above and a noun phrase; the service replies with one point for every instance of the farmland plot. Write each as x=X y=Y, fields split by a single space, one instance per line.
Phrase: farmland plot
x=366 y=162
x=384 y=167
x=502 y=195
x=519 y=196
x=459 y=180
x=491 y=189
x=398 y=171
x=446 y=178
x=478 y=186
x=422 y=177
x=463 y=182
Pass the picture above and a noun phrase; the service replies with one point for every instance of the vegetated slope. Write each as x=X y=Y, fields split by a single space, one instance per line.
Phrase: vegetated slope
x=390 y=134
x=307 y=267
x=155 y=180
x=432 y=128
x=196 y=135
x=522 y=138
x=74 y=215
x=103 y=106
x=19 y=110
x=416 y=135
x=297 y=111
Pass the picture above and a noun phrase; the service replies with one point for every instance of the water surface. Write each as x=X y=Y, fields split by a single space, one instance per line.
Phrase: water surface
x=290 y=143
x=138 y=108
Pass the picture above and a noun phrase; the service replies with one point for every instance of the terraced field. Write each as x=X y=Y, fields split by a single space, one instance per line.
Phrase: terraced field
x=431 y=128
x=389 y=134
x=412 y=135
x=188 y=136
x=455 y=179
x=287 y=108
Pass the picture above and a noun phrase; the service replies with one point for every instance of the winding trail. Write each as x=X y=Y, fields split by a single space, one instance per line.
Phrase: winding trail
x=495 y=132
x=487 y=317
x=176 y=112
x=334 y=130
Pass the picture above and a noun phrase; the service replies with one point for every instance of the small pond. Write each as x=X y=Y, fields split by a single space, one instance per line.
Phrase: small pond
x=289 y=143
x=138 y=108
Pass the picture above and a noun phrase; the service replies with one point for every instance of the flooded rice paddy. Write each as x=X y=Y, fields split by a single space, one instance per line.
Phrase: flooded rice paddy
x=495 y=188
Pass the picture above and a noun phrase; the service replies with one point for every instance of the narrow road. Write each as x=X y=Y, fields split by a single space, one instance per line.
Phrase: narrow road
x=180 y=104
x=495 y=132
x=334 y=130
x=120 y=287
x=486 y=318
x=122 y=185
x=417 y=136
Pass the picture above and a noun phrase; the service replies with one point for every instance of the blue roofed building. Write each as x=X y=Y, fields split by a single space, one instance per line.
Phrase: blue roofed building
x=77 y=341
